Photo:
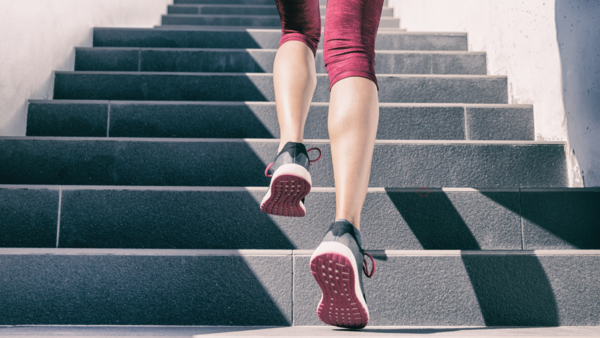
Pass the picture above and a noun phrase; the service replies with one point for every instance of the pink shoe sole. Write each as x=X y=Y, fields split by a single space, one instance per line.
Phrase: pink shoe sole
x=287 y=192
x=340 y=305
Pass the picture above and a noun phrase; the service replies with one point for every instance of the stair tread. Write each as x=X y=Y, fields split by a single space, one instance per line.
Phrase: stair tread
x=394 y=219
x=155 y=161
x=266 y=290
x=294 y=331
x=259 y=87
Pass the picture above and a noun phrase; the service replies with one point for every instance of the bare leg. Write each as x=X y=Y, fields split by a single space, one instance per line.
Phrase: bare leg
x=295 y=80
x=353 y=119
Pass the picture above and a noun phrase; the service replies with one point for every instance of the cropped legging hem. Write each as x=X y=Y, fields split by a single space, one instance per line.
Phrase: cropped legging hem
x=302 y=38
x=350 y=32
x=353 y=73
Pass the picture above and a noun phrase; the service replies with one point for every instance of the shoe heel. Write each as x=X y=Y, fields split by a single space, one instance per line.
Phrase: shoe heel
x=289 y=185
x=340 y=305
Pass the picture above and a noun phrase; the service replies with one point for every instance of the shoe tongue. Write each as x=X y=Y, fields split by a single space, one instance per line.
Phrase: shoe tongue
x=343 y=226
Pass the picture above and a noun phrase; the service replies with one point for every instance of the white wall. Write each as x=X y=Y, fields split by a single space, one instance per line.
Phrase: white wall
x=38 y=37
x=578 y=34
x=521 y=42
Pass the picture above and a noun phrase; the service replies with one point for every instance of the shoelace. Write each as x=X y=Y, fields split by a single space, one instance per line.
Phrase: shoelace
x=309 y=161
x=366 y=266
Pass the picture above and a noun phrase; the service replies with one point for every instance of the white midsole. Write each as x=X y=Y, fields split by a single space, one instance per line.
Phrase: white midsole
x=339 y=248
x=289 y=169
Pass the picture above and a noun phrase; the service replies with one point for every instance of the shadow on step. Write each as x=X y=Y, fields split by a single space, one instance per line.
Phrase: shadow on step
x=178 y=219
x=142 y=289
x=512 y=290
x=557 y=218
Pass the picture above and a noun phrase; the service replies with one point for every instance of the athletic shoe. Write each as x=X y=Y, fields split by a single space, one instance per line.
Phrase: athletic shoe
x=290 y=181
x=336 y=265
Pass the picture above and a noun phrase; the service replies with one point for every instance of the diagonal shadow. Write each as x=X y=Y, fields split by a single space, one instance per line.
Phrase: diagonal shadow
x=512 y=290
x=167 y=219
x=434 y=220
x=559 y=218
x=192 y=120
x=142 y=289
x=211 y=61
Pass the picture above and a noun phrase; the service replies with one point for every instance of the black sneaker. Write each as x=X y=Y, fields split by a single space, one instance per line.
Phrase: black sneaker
x=336 y=265
x=290 y=181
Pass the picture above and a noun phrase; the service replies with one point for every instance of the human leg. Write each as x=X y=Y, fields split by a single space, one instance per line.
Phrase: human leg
x=294 y=79
x=294 y=75
x=350 y=32
x=337 y=263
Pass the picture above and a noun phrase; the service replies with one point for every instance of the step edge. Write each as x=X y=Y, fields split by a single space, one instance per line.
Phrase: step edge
x=273 y=50
x=142 y=252
x=264 y=189
x=272 y=103
x=258 y=140
x=457 y=253
x=222 y=5
x=137 y=73
x=299 y=253
x=243 y=16
x=273 y=30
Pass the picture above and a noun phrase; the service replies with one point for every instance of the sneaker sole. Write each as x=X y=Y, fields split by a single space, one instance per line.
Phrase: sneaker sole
x=289 y=185
x=342 y=303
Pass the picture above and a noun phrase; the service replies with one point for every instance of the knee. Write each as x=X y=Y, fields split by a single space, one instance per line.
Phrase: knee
x=310 y=37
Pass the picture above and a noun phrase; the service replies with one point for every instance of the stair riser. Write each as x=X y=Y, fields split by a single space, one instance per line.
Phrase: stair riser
x=242 y=10
x=467 y=290
x=247 y=21
x=259 y=87
x=199 y=163
x=186 y=38
x=145 y=290
x=261 y=61
x=241 y=2
x=474 y=290
x=183 y=120
x=393 y=220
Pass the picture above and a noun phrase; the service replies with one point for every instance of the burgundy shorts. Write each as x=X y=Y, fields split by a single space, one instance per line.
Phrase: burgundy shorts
x=350 y=32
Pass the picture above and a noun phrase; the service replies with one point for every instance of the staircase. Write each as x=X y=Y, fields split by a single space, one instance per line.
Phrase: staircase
x=134 y=198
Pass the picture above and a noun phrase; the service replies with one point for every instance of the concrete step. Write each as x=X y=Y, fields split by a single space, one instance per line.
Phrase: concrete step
x=51 y=331
x=242 y=10
x=241 y=162
x=270 y=288
x=236 y=37
x=259 y=120
x=196 y=218
x=162 y=86
x=261 y=61
x=246 y=20
x=241 y=2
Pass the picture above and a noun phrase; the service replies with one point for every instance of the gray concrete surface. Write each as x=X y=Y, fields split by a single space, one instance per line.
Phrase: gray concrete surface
x=117 y=289
x=299 y=332
x=163 y=86
x=241 y=9
x=259 y=120
x=478 y=289
x=246 y=20
x=260 y=287
x=231 y=37
x=217 y=162
x=194 y=218
x=261 y=61
x=242 y=2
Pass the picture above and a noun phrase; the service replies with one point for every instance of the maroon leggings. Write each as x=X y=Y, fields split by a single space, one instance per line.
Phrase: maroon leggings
x=350 y=31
